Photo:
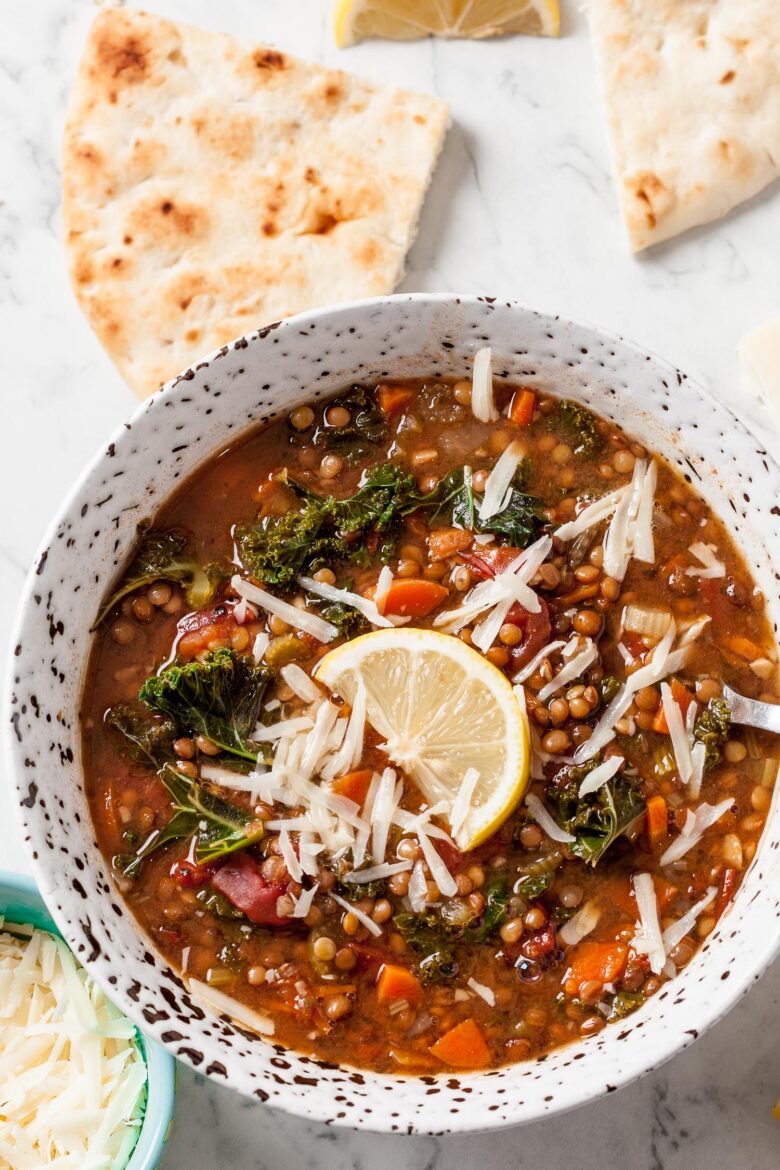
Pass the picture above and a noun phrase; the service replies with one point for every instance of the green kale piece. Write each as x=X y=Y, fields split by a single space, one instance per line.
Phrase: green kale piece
x=598 y=819
x=623 y=1003
x=218 y=904
x=349 y=622
x=519 y=521
x=496 y=900
x=324 y=529
x=165 y=556
x=219 y=828
x=427 y=937
x=149 y=739
x=579 y=425
x=366 y=428
x=608 y=688
x=218 y=697
x=712 y=728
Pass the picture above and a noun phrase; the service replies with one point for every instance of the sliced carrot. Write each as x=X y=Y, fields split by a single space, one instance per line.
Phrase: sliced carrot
x=521 y=410
x=446 y=542
x=462 y=1047
x=600 y=962
x=682 y=697
x=394 y=983
x=742 y=646
x=414 y=597
x=353 y=785
x=393 y=398
x=655 y=821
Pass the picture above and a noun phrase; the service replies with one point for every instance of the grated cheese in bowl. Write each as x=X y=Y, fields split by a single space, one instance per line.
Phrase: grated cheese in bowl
x=72 y=1075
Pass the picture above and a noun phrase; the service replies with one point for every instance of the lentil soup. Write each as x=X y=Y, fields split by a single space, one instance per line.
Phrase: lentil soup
x=259 y=826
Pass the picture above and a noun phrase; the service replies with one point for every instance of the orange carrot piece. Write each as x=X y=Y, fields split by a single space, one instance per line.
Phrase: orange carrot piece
x=393 y=398
x=665 y=892
x=603 y=962
x=446 y=542
x=521 y=410
x=394 y=983
x=414 y=597
x=743 y=647
x=353 y=785
x=655 y=821
x=462 y=1047
x=682 y=697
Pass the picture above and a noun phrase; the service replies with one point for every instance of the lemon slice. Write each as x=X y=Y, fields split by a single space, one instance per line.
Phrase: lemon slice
x=406 y=20
x=442 y=709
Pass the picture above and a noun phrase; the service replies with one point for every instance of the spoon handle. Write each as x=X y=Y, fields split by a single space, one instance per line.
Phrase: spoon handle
x=752 y=712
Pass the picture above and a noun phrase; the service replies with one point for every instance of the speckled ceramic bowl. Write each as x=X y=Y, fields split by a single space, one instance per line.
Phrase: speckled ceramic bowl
x=249 y=382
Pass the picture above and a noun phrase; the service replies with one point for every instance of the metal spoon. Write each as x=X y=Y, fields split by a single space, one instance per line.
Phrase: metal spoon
x=752 y=712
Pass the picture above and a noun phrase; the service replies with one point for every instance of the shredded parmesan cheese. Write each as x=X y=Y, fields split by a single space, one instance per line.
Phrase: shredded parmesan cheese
x=600 y=775
x=225 y=1005
x=483 y=992
x=675 y=933
x=680 y=745
x=72 y=1077
x=369 y=923
x=648 y=940
x=705 y=553
x=695 y=826
x=353 y=600
x=384 y=581
x=300 y=619
x=499 y=483
x=359 y=877
x=260 y=645
x=300 y=684
x=482 y=402
x=577 y=664
x=418 y=888
x=580 y=924
x=304 y=901
x=545 y=820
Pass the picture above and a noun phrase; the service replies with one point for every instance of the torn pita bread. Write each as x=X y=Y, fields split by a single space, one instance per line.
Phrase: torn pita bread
x=693 y=97
x=212 y=187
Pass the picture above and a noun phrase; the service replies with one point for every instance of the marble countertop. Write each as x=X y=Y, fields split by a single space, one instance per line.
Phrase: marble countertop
x=522 y=206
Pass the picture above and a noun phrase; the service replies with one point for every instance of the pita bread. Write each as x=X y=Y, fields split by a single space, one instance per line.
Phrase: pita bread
x=693 y=97
x=212 y=187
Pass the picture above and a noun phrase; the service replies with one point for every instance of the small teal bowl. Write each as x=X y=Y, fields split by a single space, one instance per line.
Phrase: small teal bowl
x=21 y=902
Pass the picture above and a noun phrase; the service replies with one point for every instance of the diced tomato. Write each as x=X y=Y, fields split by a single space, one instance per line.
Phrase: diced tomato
x=633 y=643
x=241 y=881
x=536 y=627
x=446 y=542
x=368 y=957
x=450 y=855
x=198 y=630
x=189 y=873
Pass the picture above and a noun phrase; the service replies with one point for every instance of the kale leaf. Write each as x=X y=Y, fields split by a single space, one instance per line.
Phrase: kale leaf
x=599 y=818
x=712 y=728
x=165 y=556
x=366 y=428
x=518 y=521
x=579 y=425
x=623 y=1004
x=426 y=937
x=218 y=697
x=148 y=738
x=219 y=828
x=277 y=549
x=496 y=899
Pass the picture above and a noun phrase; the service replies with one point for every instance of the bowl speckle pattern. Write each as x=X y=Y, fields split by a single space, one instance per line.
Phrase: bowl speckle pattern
x=252 y=381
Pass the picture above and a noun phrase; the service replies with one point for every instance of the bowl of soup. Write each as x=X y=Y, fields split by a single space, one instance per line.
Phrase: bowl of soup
x=368 y=714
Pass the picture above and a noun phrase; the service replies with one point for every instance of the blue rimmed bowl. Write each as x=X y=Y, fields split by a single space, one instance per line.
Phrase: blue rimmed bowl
x=21 y=902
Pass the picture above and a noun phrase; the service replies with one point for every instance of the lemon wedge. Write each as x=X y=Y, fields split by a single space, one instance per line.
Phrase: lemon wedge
x=442 y=710
x=406 y=20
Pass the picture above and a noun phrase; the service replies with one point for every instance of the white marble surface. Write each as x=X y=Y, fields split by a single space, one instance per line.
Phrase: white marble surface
x=522 y=206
